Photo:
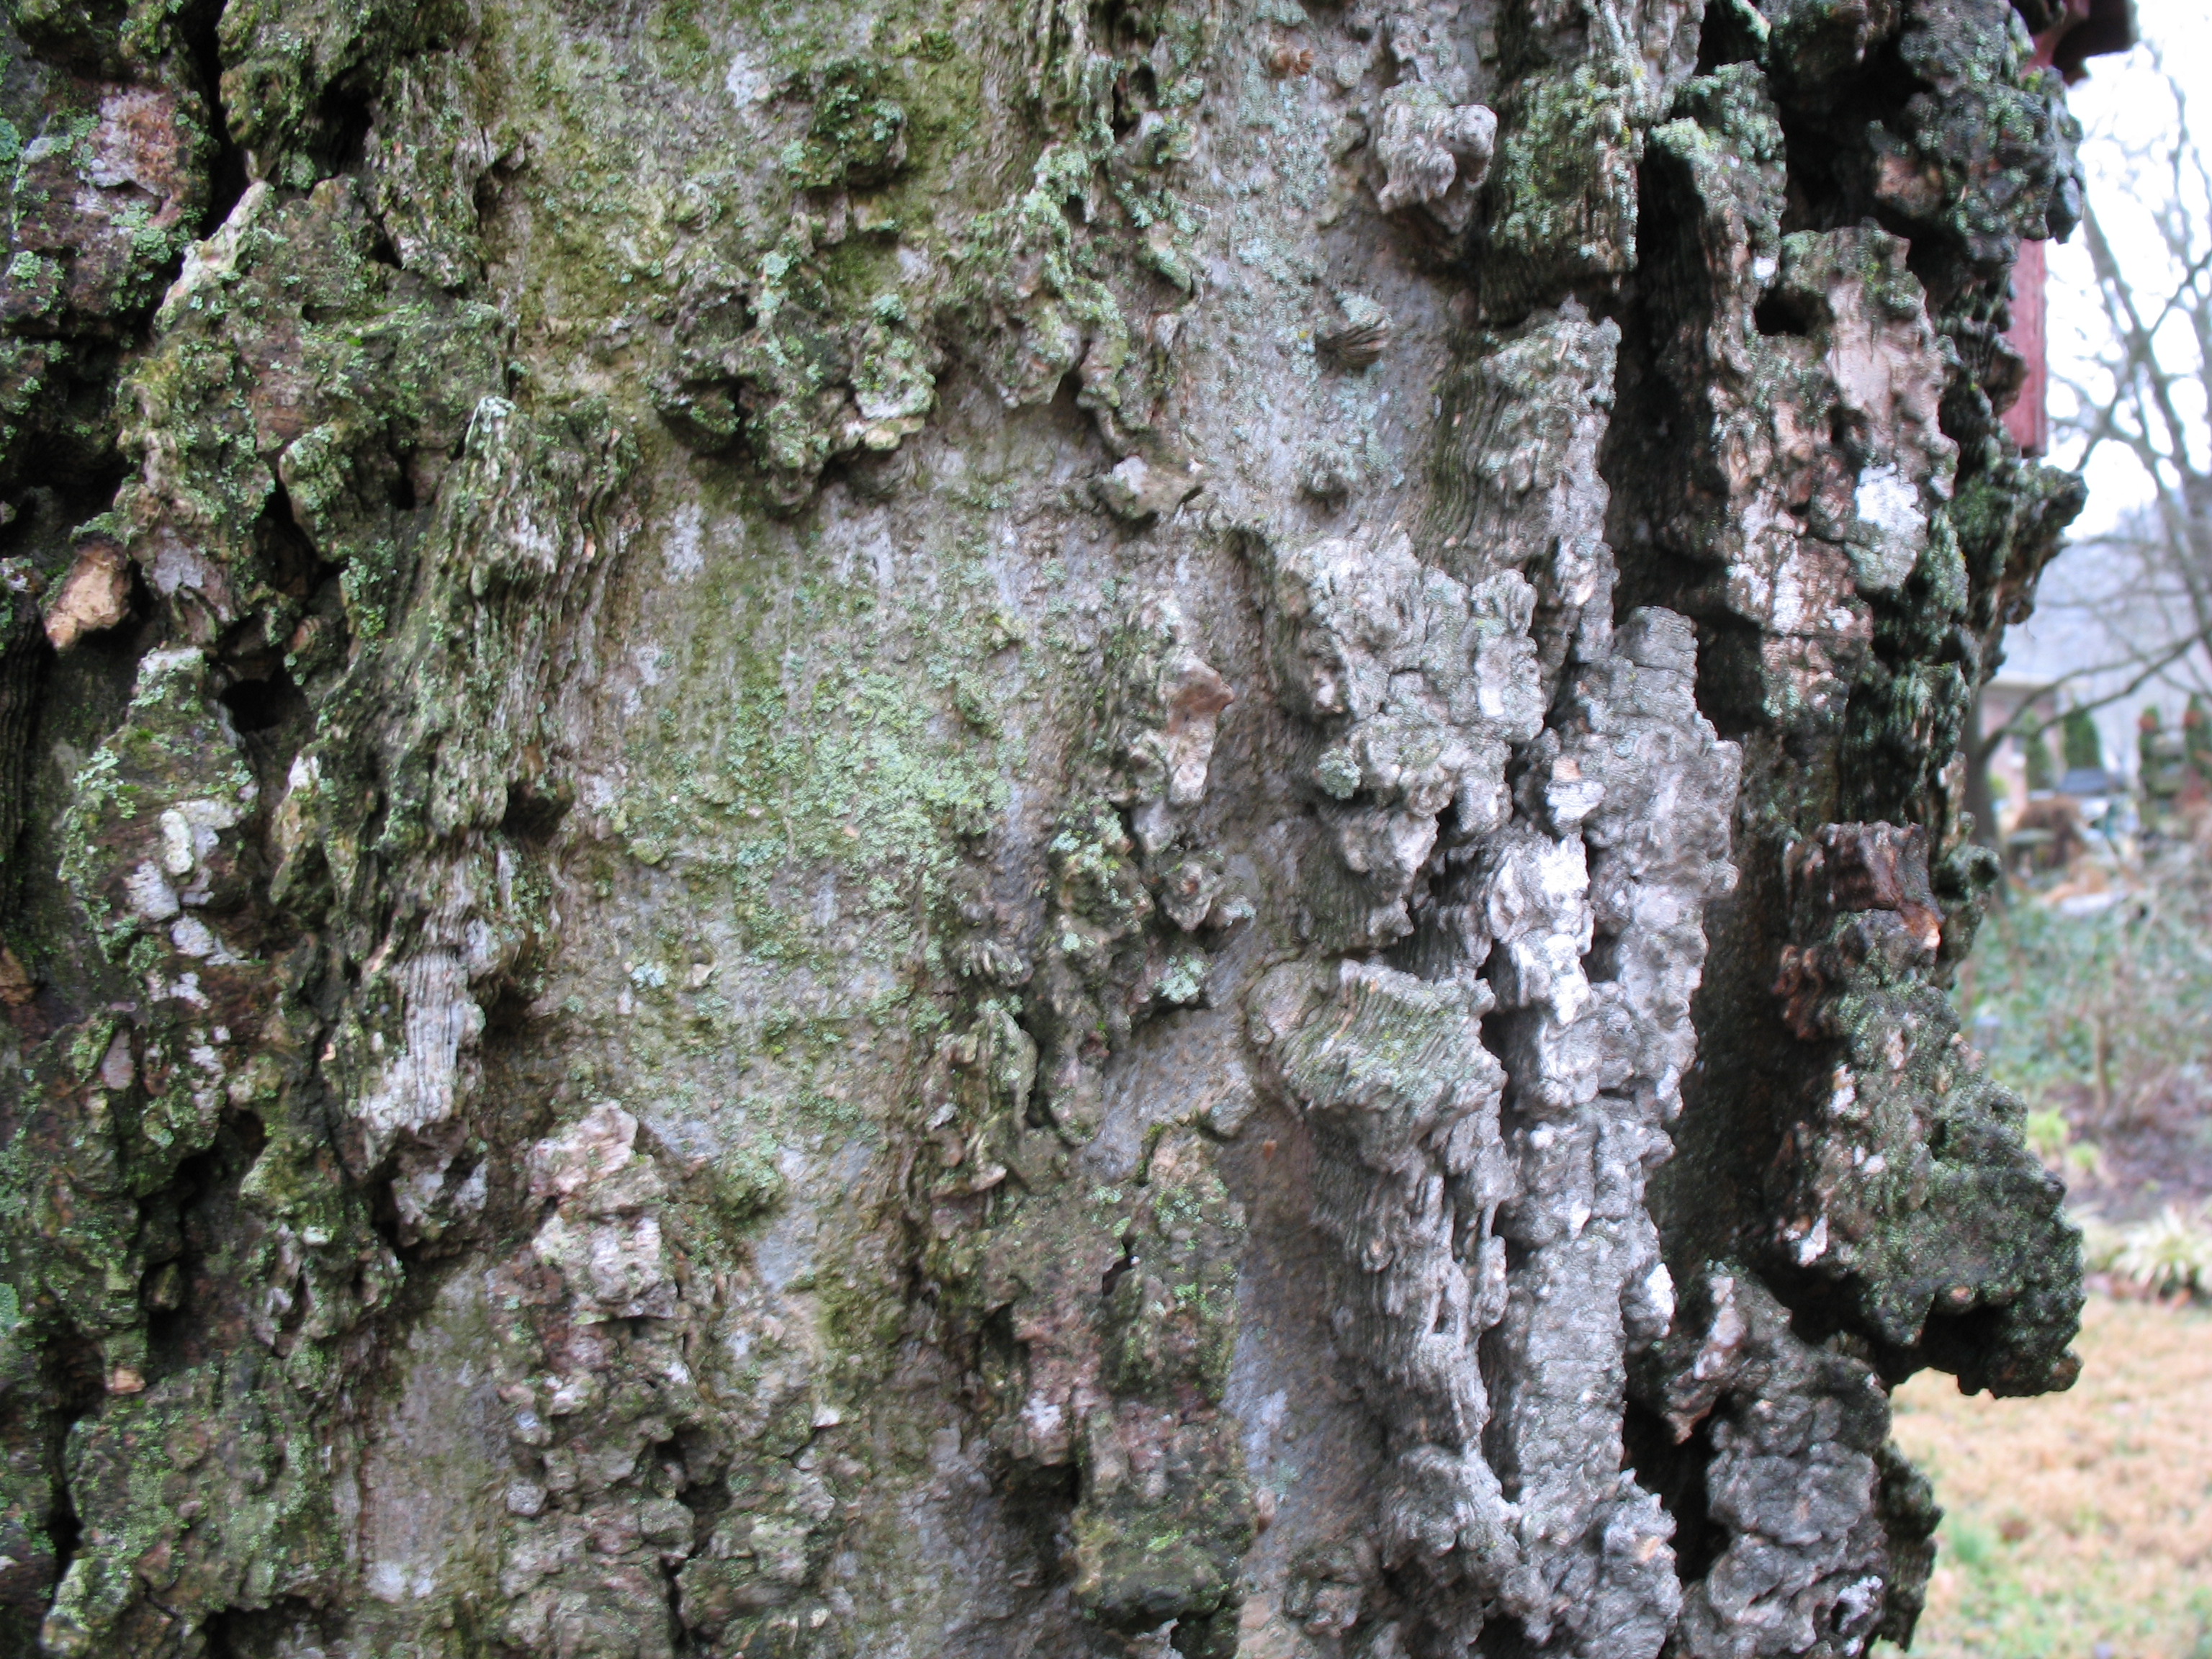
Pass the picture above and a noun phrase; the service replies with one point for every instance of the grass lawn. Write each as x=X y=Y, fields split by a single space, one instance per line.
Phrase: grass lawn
x=2079 y=1525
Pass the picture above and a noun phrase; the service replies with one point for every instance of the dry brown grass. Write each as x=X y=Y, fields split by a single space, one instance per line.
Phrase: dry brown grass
x=2081 y=1524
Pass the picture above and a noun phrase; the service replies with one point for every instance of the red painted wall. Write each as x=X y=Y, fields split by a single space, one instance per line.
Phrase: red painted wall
x=2086 y=28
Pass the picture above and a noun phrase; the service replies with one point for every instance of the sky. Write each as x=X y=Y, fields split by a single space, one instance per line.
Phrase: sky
x=2124 y=104
x=2092 y=609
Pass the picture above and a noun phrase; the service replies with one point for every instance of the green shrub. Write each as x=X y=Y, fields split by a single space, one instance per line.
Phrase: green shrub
x=2085 y=749
x=2101 y=1016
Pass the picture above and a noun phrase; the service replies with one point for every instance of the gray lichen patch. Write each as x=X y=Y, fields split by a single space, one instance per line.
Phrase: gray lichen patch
x=1506 y=1387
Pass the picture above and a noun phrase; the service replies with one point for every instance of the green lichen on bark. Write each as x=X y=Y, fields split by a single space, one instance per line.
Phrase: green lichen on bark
x=1563 y=188
x=643 y=977
x=1844 y=1101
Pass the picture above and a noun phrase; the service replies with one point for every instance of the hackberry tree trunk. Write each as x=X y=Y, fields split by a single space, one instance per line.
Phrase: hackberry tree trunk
x=979 y=828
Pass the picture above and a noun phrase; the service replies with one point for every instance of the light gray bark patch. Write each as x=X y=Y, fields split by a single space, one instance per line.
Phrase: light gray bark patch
x=1433 y=154
x=1636 y=778
x=1414 y=685
x=1506 y=1496
x=514 y=564
x=1410 y=1169
x=1513 y=475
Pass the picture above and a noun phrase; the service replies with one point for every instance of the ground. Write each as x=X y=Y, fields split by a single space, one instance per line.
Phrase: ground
x=2079 y=1524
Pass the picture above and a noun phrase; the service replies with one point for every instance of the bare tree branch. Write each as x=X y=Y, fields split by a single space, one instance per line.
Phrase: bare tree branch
x=2142 y=607
x=1987 y=745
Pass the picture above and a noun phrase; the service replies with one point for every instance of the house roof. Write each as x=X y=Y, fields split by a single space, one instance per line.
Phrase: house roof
x=2084 y=781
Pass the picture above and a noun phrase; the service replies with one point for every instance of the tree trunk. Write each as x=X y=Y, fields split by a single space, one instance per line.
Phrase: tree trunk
x=1089 y=827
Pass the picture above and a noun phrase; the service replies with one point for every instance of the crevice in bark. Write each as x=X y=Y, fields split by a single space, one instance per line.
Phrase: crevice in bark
x=533 y=819
x=39 y=537
x=23 y=662
x=77 y=1385
x=227 y=174
x=1725 y=37
x=1504 y=1637
x=1041 y=1502
x=217 y=1234
x=384 y=251
x=261 y=704
x=1674 y=1472
x=284 y=1627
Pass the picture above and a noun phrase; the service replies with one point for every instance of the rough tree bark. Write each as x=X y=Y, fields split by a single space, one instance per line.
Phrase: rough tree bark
x=1081 y=827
